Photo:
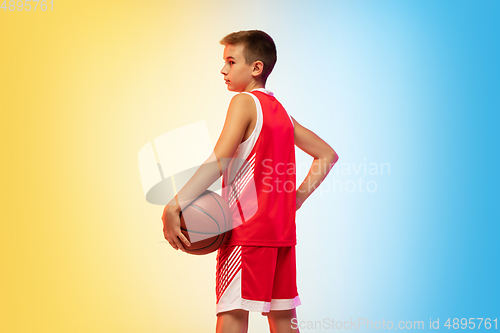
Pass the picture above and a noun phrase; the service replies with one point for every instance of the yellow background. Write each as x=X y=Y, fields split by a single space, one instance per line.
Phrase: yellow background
x=82 y=89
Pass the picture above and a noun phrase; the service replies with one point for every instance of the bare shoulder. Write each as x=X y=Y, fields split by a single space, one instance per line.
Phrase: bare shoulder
x=238 y=119
x=242 y=100
x=243 y=105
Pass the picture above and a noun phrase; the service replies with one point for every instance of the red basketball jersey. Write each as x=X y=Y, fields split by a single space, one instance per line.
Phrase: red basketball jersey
x=259 y=184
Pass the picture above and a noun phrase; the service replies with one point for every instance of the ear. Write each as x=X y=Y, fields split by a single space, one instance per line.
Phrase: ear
x=258 y=67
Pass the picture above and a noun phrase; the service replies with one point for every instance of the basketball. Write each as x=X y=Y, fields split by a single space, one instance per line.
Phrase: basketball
x=206 y=222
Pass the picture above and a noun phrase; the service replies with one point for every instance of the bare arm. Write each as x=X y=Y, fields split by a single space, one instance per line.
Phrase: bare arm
x=324 y=159
x=237 y=120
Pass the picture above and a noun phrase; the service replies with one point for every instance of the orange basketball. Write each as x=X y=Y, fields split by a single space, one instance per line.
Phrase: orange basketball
x=206 y=222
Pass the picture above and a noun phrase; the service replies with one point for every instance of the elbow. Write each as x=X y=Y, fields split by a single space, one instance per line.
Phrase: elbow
x=334 y=157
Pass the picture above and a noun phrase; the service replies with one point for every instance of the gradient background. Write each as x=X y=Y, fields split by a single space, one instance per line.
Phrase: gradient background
x=412 y=84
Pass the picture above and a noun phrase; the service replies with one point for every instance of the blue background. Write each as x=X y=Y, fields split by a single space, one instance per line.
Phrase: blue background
x=414 y=84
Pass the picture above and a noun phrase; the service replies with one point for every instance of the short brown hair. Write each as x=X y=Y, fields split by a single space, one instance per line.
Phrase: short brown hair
x=257 y=45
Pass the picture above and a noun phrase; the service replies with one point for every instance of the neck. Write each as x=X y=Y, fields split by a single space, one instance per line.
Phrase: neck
x=255 y=85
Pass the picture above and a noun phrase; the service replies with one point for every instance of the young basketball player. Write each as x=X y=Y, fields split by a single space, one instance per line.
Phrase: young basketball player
x=256 y=267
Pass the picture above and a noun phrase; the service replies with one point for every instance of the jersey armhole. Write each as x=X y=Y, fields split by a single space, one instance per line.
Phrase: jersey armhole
x=258 y=122
x=290 y=119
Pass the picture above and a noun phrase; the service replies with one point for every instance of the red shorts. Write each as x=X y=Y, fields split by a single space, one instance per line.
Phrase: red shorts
x=256 y=278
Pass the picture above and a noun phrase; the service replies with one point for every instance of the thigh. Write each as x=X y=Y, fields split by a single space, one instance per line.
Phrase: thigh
x=234 y=321
x=258 y=271
x=244 y=278
x=285 y=278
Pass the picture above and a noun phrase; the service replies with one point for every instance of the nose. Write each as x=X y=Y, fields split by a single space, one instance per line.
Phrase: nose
x=223 y=71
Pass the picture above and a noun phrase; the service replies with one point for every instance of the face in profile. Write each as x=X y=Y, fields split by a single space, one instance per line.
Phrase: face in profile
x=237 y=74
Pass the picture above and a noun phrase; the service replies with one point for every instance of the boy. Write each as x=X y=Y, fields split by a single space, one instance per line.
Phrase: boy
x=256 y=266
